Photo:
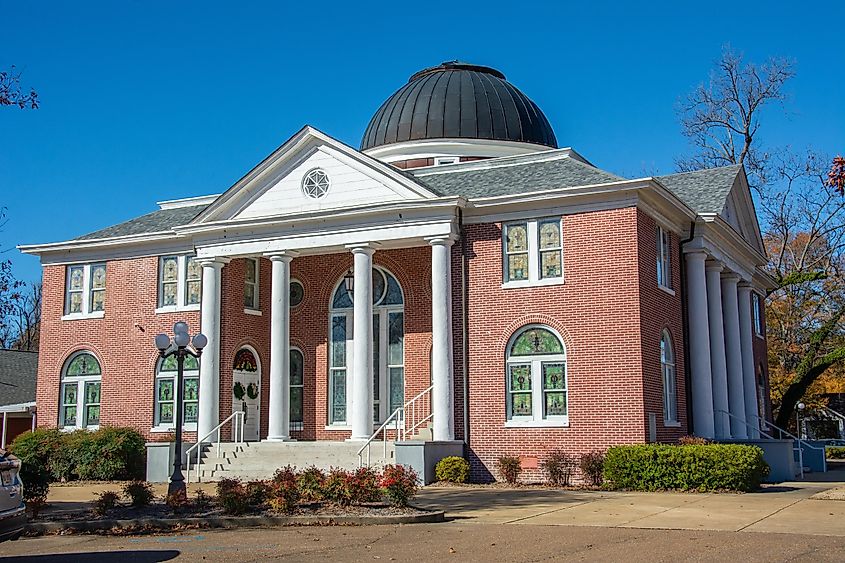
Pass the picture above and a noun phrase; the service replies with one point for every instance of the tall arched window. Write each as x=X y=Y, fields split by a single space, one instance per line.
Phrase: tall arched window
x=667 y=369
x=80 y=392
x=297 y=384
x=165 y=392
x=536 y=376
x=388 y=348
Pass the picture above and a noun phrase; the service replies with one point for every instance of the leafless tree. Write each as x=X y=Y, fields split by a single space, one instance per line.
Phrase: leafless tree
x=721 y=117
x=11 y=92
x=23 y=324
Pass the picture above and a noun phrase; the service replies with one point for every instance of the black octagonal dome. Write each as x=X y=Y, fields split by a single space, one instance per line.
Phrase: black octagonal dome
x=458 y=100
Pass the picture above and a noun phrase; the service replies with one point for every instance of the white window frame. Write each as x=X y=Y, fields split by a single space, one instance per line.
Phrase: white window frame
x=297 y=426
x=81 y=382
x=757 y=314
x=538 y=417
x=255 y=308
x=668 y=375
x=160 y=376
x=533 y=233
x=444 y=160
x=86 y=292
x=181 y=285
x=664 y=260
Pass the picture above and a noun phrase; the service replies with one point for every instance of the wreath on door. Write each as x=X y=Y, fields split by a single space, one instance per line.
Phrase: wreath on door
x=252 y=391
x=239 y=391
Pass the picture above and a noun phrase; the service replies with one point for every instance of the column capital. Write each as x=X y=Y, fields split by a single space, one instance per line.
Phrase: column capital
x=730 y=277
x=714 y=266
x=744 y=285
x=696 y=255
x=282 y=256
x=446 y=240
x=215 y=262
x=368 y=248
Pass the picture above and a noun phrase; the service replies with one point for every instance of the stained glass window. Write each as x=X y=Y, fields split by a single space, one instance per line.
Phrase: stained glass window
x=165 y=391
x=664 y=270
x=536 y=376
x=297 y=293
x=74 y=289
x=193 y=281
x=337 y=372
x=251 y=283
x=245 y=361
x=667 y=368
x=169 y=280
x=533 y=250
x=550 y=249
x=297 y=381
x=80 y=392
x=98 y=287
x=516 y=251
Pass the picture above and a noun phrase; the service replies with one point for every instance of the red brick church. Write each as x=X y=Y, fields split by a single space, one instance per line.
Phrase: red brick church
x=502 y=292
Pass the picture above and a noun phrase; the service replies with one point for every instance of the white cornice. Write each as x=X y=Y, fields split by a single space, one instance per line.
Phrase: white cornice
x=187 y=201
x=430 y=148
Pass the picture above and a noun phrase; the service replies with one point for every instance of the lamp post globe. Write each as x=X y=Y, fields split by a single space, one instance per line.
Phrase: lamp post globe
x=180 y=327
x=181 y=339
x=200 y=341
x=162 y=342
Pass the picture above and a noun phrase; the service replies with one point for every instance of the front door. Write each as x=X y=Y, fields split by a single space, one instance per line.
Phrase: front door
x=246 y=390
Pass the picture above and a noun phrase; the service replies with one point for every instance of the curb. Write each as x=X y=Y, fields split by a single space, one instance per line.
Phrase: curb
x=228 y=522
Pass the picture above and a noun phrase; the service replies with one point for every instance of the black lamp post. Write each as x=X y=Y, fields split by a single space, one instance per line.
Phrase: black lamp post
x=349 y=283
x=179 y=346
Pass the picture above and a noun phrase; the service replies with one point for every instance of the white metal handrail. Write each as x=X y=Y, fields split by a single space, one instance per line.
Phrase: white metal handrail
x=395 y=416
x=412 y=406
x=238 y=418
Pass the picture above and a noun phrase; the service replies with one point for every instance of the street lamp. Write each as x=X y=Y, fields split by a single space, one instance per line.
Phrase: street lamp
x=800 y=407
x=179 y=346
x=349 y=283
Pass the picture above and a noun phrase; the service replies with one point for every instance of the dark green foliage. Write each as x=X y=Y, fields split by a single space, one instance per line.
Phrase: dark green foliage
x=35 y=450
x=140 y=493
x=105 y=501
x=712 y=467
x=592 y=467
x=509 y=468
x=452 y=469
x=558 y=467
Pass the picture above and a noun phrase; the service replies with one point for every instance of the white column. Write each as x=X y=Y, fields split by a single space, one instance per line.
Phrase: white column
x=718 y=362
x=362 y=344
x=209 y=396
x=442 y=395
x=699 y=333
x=746 y=341
x=279 y=417
x=733 y=357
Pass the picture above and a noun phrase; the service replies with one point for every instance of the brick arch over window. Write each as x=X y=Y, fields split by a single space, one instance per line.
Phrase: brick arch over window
x=81 y=347
x=516 y=325
x=249 y=344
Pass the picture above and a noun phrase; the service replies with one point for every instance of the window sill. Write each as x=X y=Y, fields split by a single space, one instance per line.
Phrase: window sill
x=563 y=423
x=671 y=424
x=79 y=316
x=256 y=312
x=668 y=290
x=91 y=428
x=338 y=427
x=176 y=309
x=192 y=427
x=760 y=336
x=529 y=283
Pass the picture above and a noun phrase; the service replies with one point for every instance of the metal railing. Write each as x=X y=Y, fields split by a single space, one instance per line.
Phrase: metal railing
x=238 y=419
x=395 y=417
x=403 y=425
x=416 y=406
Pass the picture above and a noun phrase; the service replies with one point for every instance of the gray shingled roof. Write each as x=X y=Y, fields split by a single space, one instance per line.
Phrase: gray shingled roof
x=157 y=221
x=704 y=191
x=512 y=175
x=18 y=372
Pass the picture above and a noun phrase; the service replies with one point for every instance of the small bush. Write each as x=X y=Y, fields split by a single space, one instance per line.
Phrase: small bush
x=232 y=497
x=399 y=484
x=310 y=483
x=202 y=500
x=35 y=496
x=35 y=450
x=509 y=468
x=452 y=469
x=139 y=493
x=177 y=500
x=592 y=468
x=364 y=484
x=257 y=493
x=110 y=454
x=652 y=467
x=558 y=467
x=105 y=501
x=836 y=452
x=283 y=495
x=337 y=487
x=693 y=441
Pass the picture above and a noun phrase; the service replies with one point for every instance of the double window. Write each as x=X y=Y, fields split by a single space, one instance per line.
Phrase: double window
x=85 y=290
x=180 y=282
x=533 y=252
x=165 y=392
x=667 y=370
x=80 y=392
x=664 y=253
x=536 y=377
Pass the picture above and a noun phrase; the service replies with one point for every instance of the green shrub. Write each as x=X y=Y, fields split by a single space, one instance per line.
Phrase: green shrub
x=35 y=450
x=139 y=493
x=231 y=496
x=105 y=501
x=836 y=452
x=592 y=467
x=452 y=469
x=651 y=467
x=399 y=484
x=110 y=454
x=64 y=458
x=310 y=483
x=509 y=468
x=690 y=440
x=558 y=467
x=337 y=487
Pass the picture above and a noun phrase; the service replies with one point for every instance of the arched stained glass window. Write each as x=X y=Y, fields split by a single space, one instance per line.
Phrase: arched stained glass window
x=80 y=392
x=165 y=392
x=536 y=377
x=386 y=291
x=245 y=361
x=667 y=368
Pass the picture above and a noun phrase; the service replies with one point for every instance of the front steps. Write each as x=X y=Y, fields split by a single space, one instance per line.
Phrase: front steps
x=259 y=460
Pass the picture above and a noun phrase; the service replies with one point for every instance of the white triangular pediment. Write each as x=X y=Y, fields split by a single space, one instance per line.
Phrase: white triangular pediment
x=739 y=213
x=348 y=179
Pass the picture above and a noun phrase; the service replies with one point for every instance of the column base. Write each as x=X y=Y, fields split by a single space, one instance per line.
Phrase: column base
x=278 y=439
x=359 y=440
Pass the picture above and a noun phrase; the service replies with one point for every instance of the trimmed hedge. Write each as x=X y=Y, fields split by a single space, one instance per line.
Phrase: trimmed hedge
x=712 y=467
x=452 y=469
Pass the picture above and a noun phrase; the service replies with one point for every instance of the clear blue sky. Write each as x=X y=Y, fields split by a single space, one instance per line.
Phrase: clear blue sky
x=153 y=100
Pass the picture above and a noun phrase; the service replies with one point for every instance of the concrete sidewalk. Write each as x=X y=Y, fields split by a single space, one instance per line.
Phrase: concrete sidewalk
x=785 y=508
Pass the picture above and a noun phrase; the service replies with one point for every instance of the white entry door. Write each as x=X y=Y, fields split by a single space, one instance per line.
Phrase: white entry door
x=246 y=391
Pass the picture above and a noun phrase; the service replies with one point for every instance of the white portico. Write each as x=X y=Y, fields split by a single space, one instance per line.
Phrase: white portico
x=354 y=205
